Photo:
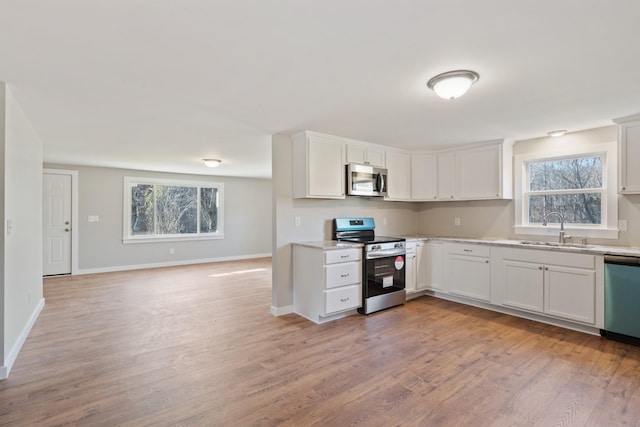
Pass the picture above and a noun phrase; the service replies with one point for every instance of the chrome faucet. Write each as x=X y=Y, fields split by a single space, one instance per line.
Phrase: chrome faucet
x=561 y=237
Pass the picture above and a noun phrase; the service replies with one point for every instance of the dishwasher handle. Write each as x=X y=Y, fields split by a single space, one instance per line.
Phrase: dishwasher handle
x=622 y=260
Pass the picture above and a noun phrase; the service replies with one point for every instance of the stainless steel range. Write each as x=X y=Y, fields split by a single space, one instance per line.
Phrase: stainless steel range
x=383 y=265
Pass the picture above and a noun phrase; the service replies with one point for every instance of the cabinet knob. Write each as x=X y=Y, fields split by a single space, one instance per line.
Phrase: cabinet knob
x=540 y=268
x=487 y=261
x=546 y=268
x=452 y=196
x=624 y=188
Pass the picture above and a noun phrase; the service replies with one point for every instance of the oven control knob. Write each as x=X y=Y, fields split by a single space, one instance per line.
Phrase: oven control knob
x=398 y=245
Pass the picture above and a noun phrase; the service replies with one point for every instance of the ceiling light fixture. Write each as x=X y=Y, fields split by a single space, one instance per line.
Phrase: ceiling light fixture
x=212 y=163
x=555 y=133
x=453 y=84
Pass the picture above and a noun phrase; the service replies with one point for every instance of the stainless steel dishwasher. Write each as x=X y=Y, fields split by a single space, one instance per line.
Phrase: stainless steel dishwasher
x=622 y=298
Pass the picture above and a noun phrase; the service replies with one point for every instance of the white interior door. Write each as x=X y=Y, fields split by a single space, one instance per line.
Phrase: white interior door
x=56 y=224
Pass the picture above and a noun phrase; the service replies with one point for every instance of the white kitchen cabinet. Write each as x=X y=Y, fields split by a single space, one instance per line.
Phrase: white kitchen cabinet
x=469 y=270
x=558 y=284
x=430 y=260
x=327 y=283
x=410 y=268
x=484 y=172
x=628 y=155
x=446 y=175
x=318 y=166
x=366 y=155
x=424 y=177
x=399 y=175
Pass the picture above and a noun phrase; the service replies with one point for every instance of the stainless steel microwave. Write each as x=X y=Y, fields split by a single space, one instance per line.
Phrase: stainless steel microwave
x=363 y=180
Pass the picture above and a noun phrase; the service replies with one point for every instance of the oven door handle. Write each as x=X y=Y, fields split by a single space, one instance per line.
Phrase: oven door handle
x=386 y=254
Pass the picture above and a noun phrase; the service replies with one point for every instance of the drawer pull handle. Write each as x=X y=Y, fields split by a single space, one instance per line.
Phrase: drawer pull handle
x=467 y=250
x=344 y=275
x=344 y=256
x=344 y=299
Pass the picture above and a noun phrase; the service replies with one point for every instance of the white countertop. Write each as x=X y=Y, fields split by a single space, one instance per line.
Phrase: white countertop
x=523 y=244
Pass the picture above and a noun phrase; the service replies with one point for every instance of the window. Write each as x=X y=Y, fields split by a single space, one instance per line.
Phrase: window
x=172 y=210
x=573 y=182
x=570 y=186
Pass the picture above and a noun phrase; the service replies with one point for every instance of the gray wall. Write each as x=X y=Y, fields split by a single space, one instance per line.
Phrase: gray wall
x=316 y=216
x=22 y=249
x=247 y=222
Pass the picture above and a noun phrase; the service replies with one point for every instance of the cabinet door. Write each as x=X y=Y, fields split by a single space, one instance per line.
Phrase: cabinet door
x=399 y=176
x=356 y=154
x=570 y=293
x=470 y=276
x=375 y=157
x=523 y=285
x=430 y=262
x=326 y=171
x=446 y=174
x=410 y=272
x=479 y=172
x=629 y=157
x=424 y=177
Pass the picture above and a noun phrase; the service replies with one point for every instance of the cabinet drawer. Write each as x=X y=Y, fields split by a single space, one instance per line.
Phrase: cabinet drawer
x=347 y=273
x=342 y=255
x=472 y=250
x=339 y=299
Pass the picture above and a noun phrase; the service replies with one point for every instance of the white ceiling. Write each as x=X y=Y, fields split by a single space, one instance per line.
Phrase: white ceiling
x=162 y=84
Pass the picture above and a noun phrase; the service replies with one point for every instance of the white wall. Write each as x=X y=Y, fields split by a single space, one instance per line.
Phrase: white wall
x=247 y=222
x=316 y=216
x=496 y=218
x=22 y=278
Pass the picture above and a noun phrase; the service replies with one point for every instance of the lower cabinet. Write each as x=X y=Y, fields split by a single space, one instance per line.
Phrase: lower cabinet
x=411 y=268
x=469 y=271
x=327 y=283
x=558 y=284
x=430 y=263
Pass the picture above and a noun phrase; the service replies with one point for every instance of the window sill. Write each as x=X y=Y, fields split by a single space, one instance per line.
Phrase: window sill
x=554 y=229
x=134 y=240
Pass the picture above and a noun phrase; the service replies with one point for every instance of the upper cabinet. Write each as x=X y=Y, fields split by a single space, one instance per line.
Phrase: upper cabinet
x=365 y=155
x=424 y=177
x=484 y=172
x=628 y=154
x=318 y=166
x=477 y=172
x=446 y=175
x=398 y=175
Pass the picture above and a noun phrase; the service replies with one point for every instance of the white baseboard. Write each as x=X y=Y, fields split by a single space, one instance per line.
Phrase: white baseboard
x=281 y=311
x=13 y=354
x=168 y=264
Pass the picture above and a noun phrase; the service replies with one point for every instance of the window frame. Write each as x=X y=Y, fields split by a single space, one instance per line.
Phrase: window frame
x=608 y=228
x=130 y=181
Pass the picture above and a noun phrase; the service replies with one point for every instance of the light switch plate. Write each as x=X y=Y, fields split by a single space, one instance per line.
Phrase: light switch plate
x=622 y=225
x=94 y=218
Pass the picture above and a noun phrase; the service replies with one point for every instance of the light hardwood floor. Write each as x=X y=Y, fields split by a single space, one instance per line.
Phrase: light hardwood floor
x=196 y=345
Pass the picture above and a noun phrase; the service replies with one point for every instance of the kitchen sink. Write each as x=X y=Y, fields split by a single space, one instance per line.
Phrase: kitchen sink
x=553 y=244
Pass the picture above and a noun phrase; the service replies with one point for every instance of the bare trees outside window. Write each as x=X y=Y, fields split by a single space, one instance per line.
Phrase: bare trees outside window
x=571 y=186
x=162 y=210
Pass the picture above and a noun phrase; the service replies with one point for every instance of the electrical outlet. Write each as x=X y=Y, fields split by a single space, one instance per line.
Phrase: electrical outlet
x=298 y=221
x=456 y=221
x=384 y=221
x=29 y=297
x=172 y=251
x=622 y=225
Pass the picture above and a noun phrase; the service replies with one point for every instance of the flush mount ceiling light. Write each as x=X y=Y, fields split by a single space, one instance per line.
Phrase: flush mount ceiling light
x=452 y=84
x=557 y=132
x=212 y=163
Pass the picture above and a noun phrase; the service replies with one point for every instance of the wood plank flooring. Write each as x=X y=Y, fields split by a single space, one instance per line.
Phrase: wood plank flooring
x=196 y=346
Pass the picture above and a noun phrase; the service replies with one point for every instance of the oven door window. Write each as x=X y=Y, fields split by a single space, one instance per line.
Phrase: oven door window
x=384 y=275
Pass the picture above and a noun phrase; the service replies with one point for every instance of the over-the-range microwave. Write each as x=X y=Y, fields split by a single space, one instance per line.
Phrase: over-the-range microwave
x=364 y=180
